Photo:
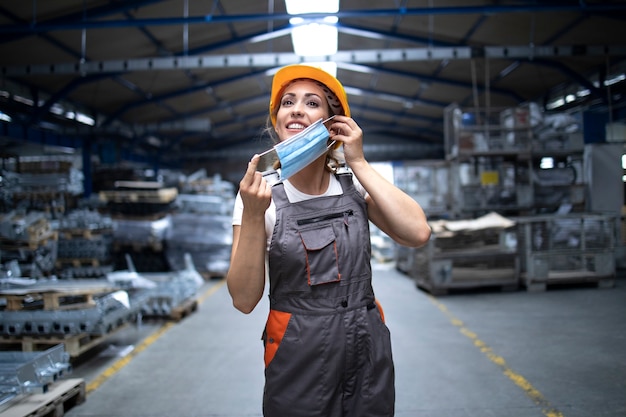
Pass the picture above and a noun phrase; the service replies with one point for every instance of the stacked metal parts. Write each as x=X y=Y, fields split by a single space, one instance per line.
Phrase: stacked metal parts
x=163 y=294
x=85 y=242
x=466 y=254
x=512 y=160
x=577 y=247
x=23 y=373
x=41 y=183
x=533 y=170
x=66 y=308
x=202 y=228
x=28 y=238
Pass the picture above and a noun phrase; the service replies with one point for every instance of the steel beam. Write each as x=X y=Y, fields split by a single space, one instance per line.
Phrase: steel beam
x=268 y=60
x=75 y=23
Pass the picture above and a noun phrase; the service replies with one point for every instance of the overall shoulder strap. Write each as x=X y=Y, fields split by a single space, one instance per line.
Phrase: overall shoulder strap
x=279 y=195
x=345 y=179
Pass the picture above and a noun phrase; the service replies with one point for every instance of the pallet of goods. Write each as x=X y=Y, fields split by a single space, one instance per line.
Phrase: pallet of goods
x=466 y=254
x=79 y=314
x=62 y=396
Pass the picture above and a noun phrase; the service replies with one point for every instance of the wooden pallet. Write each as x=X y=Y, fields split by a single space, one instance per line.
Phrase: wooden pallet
x=570 y=279
x=77 y=262
x=60 y=397
x=186 y=308
x=156 y=246
x=163 y=195
x=178 y=313
x=87 y=234
x=31 y=244
x=75 y=345
x=67 y=299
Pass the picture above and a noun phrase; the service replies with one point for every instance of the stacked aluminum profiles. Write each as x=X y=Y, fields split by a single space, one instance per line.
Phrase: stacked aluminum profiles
x=164 y=291
x=27 y=372
x=32 y=226
x=466 y=254
x=28 y=238
x=85 y=244
x=139 y=198
x=207 y=238
x=204 y=204
x=141 y=232
x=564 y=249
x=92 y=307
x=202 y=228
x=70 y=182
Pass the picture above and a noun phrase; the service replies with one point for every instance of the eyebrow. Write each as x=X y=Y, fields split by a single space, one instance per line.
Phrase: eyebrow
x=307 y=95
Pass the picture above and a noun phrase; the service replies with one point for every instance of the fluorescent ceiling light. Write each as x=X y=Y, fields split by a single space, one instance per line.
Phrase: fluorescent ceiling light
x=615 y=79
x=83 y=118
x=314 y=39
x=295 y=7
x=546 y=163
x=555 y=104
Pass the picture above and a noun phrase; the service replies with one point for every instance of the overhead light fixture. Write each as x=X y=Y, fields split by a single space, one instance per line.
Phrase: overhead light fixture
x=546 y=163
x=5 y=117
x=313 y=37
x=296 y=7
x=615 y=79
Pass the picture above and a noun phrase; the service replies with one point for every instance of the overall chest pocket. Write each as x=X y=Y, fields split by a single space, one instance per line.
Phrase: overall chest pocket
x=322 y=261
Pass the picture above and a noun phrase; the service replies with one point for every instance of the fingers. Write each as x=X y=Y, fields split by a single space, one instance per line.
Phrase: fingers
x=255 y=192
x=345 y=127
x=251 y=178
x=254 y=162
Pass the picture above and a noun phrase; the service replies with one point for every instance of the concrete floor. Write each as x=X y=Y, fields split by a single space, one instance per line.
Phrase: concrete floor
x=559 y=353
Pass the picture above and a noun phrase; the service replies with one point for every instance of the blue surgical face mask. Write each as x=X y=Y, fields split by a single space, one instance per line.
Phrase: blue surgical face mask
x=299 y=150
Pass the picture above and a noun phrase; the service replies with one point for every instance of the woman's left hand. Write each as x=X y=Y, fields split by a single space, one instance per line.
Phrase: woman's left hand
x=345 y=130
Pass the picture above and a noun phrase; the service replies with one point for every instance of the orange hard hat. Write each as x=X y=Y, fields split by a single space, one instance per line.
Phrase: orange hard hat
x=289 y=73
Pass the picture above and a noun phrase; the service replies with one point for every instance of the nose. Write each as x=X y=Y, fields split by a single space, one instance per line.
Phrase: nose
x=297 y=110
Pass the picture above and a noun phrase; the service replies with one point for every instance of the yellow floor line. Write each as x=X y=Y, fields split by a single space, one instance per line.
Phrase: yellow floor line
x=211 y=291
x=122 y=362
x=547 y=409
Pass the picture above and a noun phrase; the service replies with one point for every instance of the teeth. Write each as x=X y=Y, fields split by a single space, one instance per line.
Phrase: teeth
x=295 y=126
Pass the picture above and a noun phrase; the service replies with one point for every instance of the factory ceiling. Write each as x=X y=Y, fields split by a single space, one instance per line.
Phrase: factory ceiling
x=183 y=82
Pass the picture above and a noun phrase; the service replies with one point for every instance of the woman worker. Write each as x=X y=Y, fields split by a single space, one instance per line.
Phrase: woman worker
x=327 y=348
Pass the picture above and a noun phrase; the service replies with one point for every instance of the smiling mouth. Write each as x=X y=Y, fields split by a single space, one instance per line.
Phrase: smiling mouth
x=295 y=126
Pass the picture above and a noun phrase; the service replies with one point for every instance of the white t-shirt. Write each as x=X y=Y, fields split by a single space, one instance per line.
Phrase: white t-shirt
x=294 y=196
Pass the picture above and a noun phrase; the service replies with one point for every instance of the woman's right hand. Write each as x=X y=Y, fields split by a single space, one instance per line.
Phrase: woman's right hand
x=246 y=275
x=256 y=193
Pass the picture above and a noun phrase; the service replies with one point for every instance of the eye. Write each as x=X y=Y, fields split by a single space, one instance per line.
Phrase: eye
x=286 y=102
x=313 y=103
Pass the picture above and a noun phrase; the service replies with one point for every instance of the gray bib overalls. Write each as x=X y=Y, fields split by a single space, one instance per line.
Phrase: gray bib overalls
x=327 y=348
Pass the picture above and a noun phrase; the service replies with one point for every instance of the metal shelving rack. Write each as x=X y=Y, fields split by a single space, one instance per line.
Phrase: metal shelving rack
x=495 y=156
x=563 y=249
